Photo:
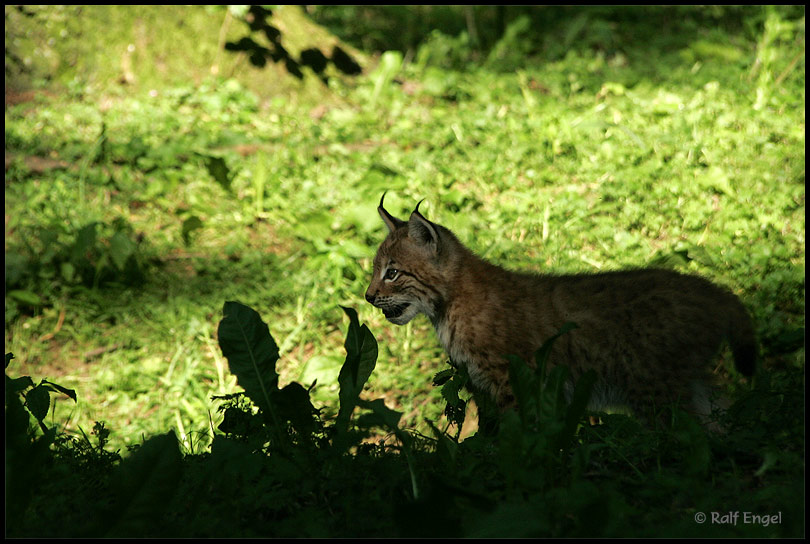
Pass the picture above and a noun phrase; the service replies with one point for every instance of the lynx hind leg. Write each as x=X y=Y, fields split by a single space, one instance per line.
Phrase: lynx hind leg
x=605 y=398
x=503 y=396
x=705 y=404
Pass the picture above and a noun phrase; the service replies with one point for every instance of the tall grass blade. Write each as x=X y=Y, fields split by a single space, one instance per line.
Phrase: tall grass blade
x=576 y=409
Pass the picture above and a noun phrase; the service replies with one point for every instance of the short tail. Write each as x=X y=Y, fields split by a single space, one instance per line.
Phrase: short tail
x=742 y=339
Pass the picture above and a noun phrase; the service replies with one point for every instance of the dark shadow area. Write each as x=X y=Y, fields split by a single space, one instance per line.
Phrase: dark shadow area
x=257 y=21
x=552 y=31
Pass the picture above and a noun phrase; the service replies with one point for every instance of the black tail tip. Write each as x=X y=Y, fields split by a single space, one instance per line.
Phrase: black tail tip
x=745 y=359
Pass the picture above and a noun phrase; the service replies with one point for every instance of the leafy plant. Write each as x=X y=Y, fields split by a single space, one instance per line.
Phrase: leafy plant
x=361 y=357
x=27 y=452
x=252 y=354
x=93 y=255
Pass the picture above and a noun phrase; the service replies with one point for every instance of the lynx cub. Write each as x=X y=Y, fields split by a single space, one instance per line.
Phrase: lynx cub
x=649 y=334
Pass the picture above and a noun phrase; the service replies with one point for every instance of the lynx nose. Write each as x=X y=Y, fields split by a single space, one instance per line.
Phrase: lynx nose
x=370 y=298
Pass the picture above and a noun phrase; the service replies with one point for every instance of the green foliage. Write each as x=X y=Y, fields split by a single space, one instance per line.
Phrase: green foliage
x=37 y=398
x=477 y=32
x=361 y=357
x=27 y=452
x=94 y=254
x=507 y=53
x=383 y=76
x=543 y=473
x=251 y=352
x=219 y=171
x=452 y=381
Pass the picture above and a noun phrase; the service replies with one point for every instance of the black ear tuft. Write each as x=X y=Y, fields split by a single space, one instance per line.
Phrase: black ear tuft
x=390 y=221
x=423 y=231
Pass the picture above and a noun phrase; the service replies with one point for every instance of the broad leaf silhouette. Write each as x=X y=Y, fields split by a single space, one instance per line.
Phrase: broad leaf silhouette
x=361 y=358
x=251 y=351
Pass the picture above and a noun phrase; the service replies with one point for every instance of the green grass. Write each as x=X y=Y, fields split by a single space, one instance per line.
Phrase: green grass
x=681 y=153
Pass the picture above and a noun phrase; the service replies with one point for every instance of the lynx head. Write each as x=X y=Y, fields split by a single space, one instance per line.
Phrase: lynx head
x=410 y=267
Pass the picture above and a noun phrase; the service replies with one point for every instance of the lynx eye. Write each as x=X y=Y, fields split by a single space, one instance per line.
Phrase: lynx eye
x=391 y=274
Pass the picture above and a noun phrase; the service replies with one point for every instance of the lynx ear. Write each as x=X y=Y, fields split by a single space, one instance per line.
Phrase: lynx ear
x=390 y=221
x=423 y=231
